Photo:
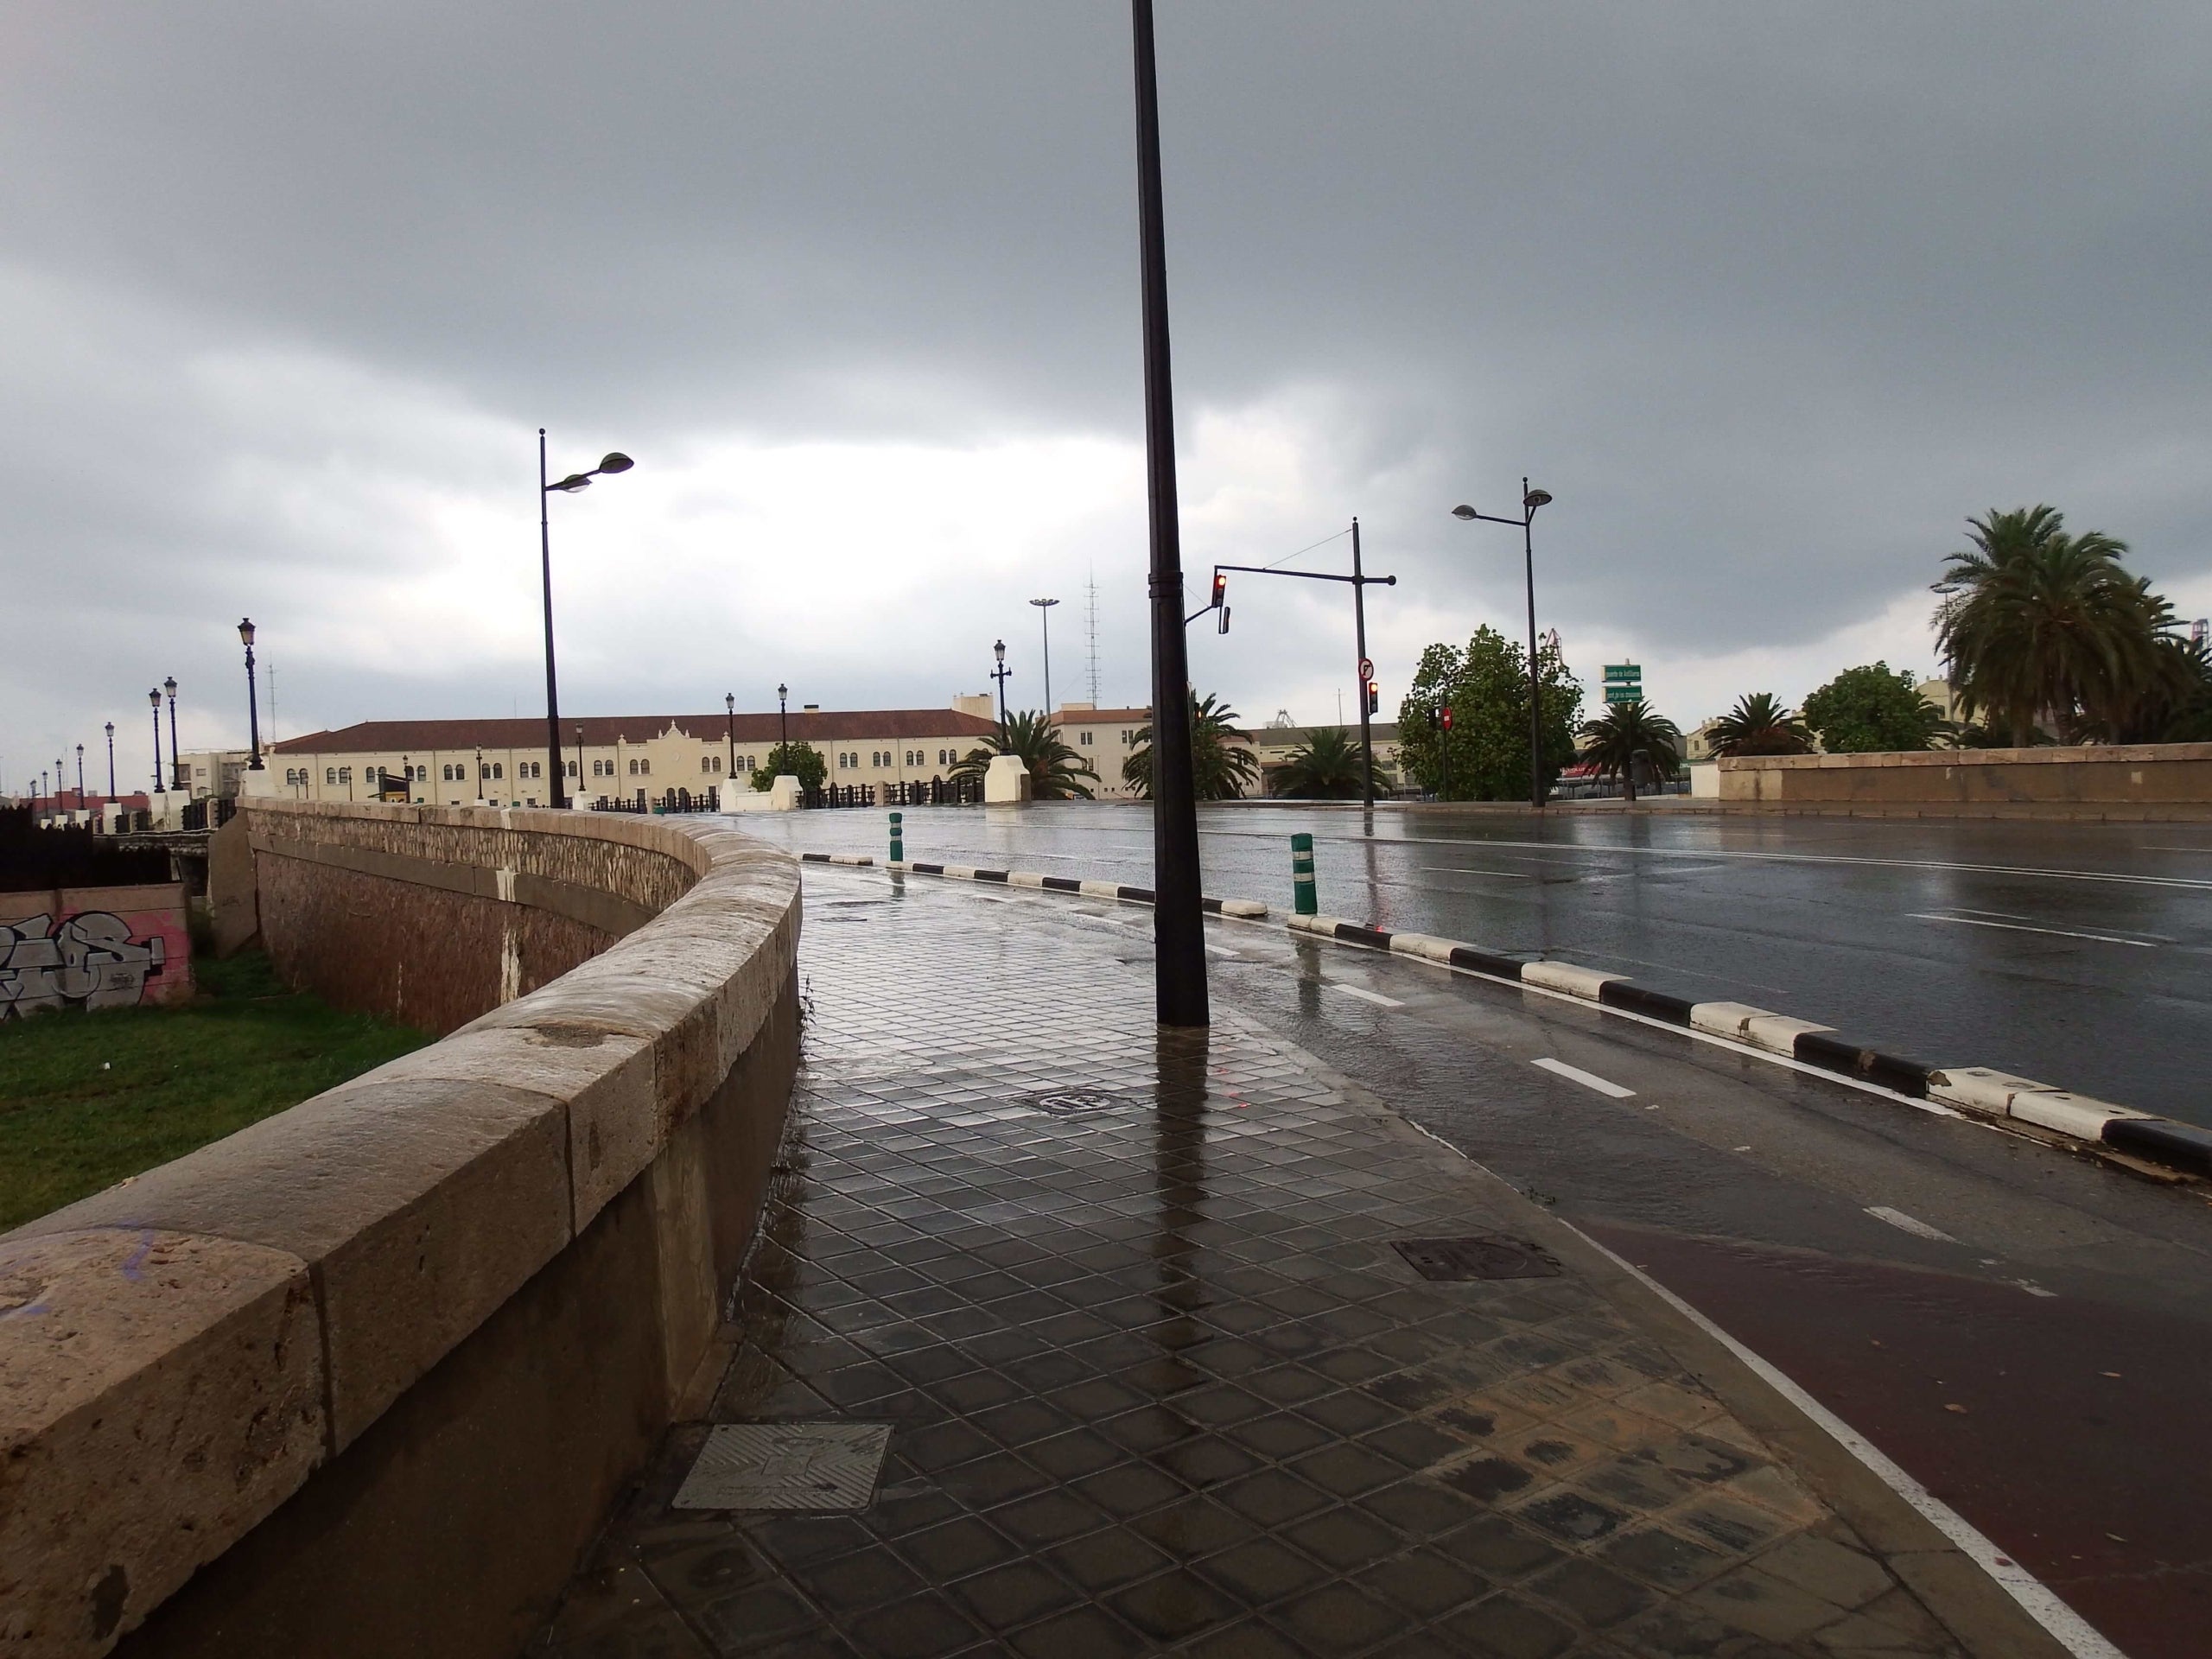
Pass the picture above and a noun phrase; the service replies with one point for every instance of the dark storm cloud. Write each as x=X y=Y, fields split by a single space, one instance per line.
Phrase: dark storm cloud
x=1769 y=296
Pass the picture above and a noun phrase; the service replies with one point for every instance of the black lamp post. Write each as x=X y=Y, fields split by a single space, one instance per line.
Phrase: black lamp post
x=1177 y=920
x=613 y=461
x=111 y=760
x=80 y=776
x=729 y=706
x=176 y=755
x=479 y=775
x=1530 y=500
x=1001 y=673
x=579 y=759
x=154 y=701
x=783 y=720
x=252 y=701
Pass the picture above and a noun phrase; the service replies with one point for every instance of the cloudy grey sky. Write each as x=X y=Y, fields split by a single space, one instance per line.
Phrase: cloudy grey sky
x=1768 y=297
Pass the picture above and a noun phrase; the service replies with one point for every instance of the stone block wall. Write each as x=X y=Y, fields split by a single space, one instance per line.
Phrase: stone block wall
x=363 y=1378
x=2154 y=780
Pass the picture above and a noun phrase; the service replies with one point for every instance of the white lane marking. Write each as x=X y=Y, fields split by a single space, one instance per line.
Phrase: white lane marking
x=1767 y=858
x=1219 y=950
x=1461 y=869
x=1587 y=1079
x=1912 y=1224
x=2072 y=1632
x=1376 y=997
x=2016 y=927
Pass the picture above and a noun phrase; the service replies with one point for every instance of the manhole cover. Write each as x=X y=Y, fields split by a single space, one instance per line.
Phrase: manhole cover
x=1074 y=1103
x=786 y=1466
x=1486 y=1255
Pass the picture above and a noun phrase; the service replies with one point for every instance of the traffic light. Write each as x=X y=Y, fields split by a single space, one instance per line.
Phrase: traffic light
x=1374 y=696
x=1220 y=591
x=1447 y=718
x=1433 y=723
x=1222 y=626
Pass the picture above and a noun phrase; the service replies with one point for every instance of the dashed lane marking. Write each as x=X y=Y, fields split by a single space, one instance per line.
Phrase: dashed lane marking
x=1587 y=1079
x=2017 y=927
x=1376 y=997
x=1912 y=1224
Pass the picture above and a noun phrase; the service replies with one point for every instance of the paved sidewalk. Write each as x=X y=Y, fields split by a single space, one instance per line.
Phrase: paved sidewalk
x=1157 y=1379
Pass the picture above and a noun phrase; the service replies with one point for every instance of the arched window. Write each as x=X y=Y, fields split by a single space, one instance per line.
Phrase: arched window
x=499 y=769
x=330 y=774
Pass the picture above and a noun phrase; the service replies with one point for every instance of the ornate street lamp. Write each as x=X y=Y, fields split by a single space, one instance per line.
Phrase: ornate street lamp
x=154 y=701
x=111 y=760
x=614 y=462
x=1001 y=674
x=176 y=755
x=252 y=701
x=783 y=720
x=729 y=706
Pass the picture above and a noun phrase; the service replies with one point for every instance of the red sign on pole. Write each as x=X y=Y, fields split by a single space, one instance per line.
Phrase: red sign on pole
x=1366 y=669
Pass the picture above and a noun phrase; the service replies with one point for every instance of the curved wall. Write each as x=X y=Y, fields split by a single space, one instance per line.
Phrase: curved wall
x=364 y=1377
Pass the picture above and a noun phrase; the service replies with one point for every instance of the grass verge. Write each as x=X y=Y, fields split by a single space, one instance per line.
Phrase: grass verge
x=87 y=1099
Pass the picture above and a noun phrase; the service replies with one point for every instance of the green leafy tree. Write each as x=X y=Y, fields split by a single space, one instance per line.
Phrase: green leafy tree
x=1869 y=710
x=1627 y=733
x=1221 y=769
x=1326 y=767
x=1759 y=725
x=802 y=761
x=2044 y=625
x=1056 y=771
x=1487 y=687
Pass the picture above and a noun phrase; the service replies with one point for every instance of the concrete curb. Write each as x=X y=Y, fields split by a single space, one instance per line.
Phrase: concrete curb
x=1976 y=1091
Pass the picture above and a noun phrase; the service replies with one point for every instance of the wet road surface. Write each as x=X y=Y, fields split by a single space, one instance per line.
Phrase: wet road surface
x=2025 y=1330
x=2080 y=955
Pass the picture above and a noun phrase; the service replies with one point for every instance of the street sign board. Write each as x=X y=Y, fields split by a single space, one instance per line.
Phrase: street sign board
x=1624 y=683
x=1366 y=669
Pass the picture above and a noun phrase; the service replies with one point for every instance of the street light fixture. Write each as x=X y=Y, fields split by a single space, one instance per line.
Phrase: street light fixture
x=154 y=702
x=1001 y=674
x=80 y=777
x=176 y=755
x=613 y=461
x=784 y=721
x=111 y=760
x=1044 y=615
x=1530 y=500
x=729 y=704
x=252 y=703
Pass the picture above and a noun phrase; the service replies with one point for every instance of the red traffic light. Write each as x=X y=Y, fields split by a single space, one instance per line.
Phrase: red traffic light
x=1448 y=720
x=1220 y=590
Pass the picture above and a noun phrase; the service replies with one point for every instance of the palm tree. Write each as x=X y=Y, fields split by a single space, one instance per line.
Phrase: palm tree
x=1326 y=767
x=1056 y=771
x=1759 y=725
x=1221 y=769
x=1629 y=731
x=2041 y=624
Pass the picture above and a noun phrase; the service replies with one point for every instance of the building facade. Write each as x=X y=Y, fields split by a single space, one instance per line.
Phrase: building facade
x=606 y=758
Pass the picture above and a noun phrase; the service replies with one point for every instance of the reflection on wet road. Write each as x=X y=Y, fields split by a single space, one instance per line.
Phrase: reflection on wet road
x=2077 y=954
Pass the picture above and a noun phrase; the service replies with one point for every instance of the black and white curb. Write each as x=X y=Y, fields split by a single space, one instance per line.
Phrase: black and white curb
x=1245 y=909
x=1972 y=1088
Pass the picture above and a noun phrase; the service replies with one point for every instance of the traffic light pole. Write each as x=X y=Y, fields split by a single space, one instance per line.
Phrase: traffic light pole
x=1360 y=582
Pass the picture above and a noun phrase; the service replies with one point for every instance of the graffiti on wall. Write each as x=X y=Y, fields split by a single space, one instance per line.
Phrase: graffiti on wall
x=89 y=961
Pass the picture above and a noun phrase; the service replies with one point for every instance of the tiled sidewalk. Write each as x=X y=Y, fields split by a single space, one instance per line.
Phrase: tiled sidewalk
x=1156 y=1377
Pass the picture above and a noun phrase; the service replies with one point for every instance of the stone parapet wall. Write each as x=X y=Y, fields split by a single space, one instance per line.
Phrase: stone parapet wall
x=364 y=1377
x=2142 y=778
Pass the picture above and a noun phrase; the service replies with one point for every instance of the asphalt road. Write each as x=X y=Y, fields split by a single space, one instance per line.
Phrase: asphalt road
x=2025 y=1331
x=2080 y=955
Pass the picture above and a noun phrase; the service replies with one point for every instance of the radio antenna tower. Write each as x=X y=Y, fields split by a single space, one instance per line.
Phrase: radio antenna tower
x=1090 y=627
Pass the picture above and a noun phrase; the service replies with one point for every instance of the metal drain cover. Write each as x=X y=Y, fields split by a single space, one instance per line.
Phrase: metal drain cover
x=1074 y=1103
x=1485 y=1256
x=786 y=1466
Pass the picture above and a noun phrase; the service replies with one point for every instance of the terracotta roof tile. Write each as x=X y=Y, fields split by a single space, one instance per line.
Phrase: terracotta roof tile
x=603 y=731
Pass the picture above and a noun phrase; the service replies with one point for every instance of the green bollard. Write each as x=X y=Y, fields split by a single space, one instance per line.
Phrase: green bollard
x=1301 y=874
x=898 y=839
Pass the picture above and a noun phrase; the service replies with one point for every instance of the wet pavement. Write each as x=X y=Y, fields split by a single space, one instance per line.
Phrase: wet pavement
x=2079 y=954
x=1157 y=1379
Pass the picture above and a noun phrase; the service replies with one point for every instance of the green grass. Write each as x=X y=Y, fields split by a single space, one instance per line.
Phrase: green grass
x=87 y=1099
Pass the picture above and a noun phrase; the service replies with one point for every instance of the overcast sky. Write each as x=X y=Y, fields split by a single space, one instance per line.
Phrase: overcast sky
x=1769 y=297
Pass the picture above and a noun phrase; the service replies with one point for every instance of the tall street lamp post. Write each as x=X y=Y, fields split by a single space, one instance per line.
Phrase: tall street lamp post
x=614 y=462
x=252 y=703
x=176 y=755
x=1044 y=615
x=1177 y=920
x=729 y=704
x=1001 y=674
x=80 y=777
x=1530 y=500
x=154 y=701
x=111 y=760
x=784 y=721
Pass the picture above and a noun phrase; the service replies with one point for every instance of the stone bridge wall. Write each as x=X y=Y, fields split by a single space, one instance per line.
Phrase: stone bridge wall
x=363 y=1378
x=2153 y=780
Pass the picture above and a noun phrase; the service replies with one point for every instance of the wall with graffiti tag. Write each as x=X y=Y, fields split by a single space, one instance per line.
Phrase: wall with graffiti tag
x=93 y=948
